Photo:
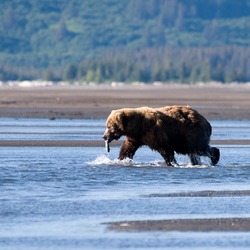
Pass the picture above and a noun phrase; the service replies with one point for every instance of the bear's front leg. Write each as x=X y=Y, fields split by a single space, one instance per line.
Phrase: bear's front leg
x=128 y=149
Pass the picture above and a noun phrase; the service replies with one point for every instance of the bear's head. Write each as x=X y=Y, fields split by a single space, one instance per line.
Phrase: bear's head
x=114 y=126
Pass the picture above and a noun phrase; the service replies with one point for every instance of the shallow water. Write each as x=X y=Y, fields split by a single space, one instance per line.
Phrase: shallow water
x=59 y=197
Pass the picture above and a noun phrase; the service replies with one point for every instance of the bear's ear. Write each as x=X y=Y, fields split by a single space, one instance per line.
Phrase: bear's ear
x=121 y=119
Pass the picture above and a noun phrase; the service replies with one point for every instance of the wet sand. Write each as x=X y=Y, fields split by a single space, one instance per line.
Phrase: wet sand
x=205 y=193
x=213 y=224
x=214 y=102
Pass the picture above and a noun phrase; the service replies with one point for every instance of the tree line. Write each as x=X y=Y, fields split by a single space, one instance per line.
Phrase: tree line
x=223 y=64
x=186 y=65
x=130 y=40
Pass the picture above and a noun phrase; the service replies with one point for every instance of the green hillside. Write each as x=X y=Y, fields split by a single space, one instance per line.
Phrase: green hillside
x=125 y=40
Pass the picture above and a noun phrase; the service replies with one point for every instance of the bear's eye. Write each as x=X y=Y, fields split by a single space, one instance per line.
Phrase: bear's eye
x=111 y=128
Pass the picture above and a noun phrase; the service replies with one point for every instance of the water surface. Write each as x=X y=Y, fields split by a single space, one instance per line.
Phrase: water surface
x=59 y=197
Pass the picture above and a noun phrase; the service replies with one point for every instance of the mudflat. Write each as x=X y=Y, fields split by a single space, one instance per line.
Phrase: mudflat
x=211 y=224
x=213 y=101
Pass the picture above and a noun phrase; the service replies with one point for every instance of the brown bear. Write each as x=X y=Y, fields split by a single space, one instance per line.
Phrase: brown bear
x=170 y=129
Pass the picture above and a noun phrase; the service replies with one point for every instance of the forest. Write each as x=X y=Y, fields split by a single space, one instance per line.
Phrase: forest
x=102 y=41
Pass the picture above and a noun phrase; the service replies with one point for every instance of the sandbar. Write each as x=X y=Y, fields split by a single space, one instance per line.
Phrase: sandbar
x=215 y=102
x=206 y=224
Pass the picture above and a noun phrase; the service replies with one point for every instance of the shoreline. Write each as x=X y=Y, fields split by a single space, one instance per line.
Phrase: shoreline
x=94 y=102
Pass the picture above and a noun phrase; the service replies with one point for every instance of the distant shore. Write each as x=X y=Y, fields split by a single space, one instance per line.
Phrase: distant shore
x=215 y=102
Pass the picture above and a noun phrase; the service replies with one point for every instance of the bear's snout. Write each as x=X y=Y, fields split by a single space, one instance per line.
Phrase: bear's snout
x=108 y=136
x=105 y=136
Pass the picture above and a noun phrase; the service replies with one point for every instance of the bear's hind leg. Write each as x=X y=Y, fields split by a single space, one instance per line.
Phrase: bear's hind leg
x=214 y=155
x=128 y=149
x=168 y=156
x=211 y=152
x=195 y=159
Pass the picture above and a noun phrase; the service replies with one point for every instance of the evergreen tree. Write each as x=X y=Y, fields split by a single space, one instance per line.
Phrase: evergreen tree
x=70 y=72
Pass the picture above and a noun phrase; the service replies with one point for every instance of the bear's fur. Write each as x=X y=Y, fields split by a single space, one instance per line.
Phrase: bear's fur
x=170 y=129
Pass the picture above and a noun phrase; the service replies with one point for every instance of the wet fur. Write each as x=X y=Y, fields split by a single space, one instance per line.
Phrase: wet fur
x=167 y=130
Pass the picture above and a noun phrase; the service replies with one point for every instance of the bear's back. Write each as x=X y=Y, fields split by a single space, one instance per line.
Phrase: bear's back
x=182 y=114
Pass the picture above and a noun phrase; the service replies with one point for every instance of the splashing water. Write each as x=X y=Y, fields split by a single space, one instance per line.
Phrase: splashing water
x=105 y=160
